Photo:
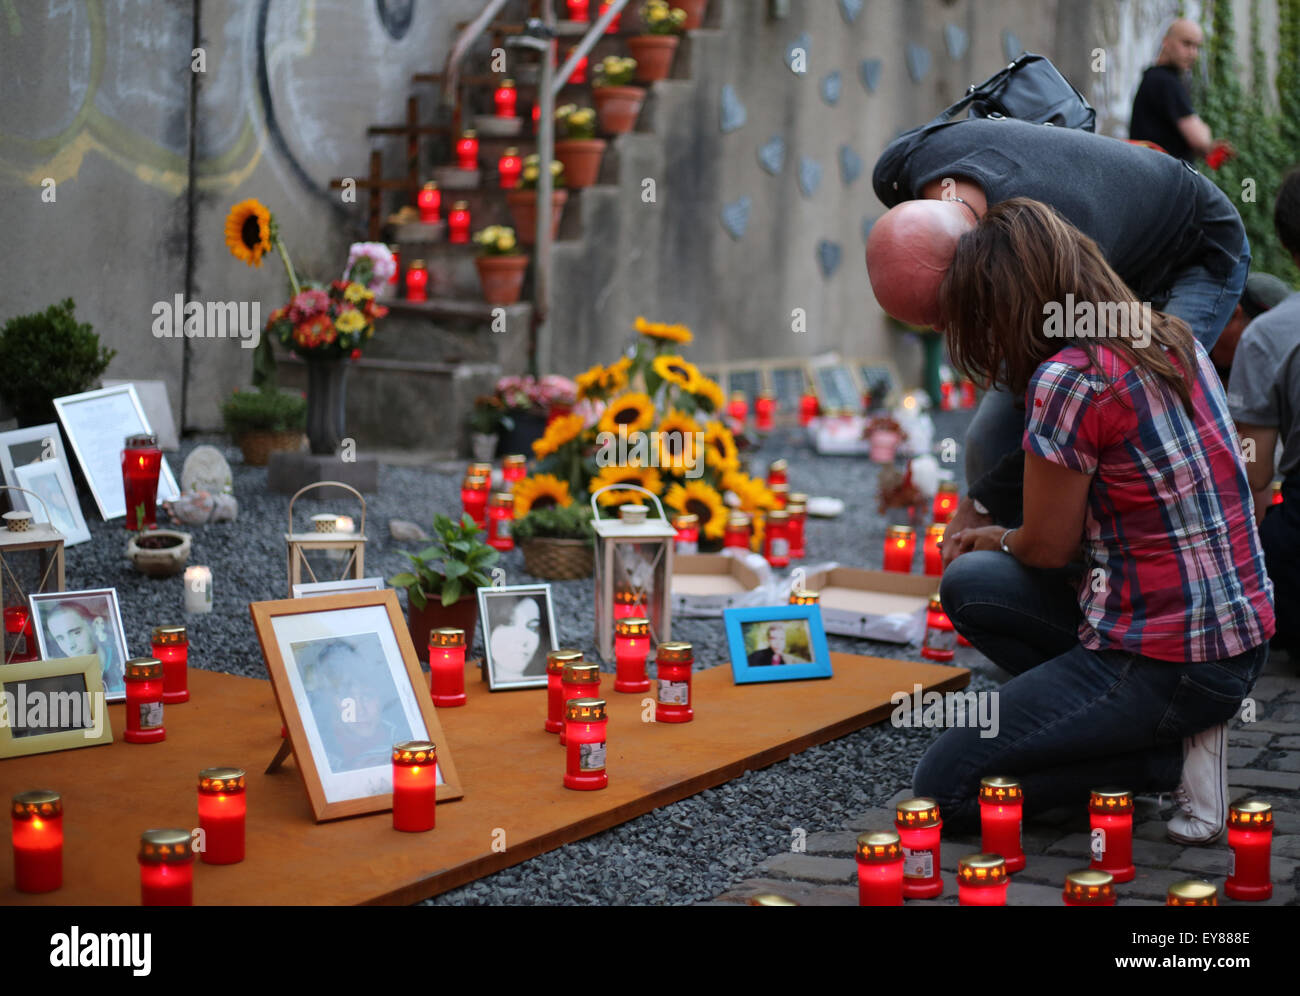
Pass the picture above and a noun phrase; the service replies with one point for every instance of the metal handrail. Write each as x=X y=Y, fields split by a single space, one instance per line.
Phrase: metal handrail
x=471 y=33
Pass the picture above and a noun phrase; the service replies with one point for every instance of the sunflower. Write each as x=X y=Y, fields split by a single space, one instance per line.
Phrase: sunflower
x=590 y=383
x=677 y=371
x=541 y=491
x=248 y=231
x=703 y=501
x=757 y=526
x=600 y=381
x=720 y=448
x=642 y=477
x=658 y=330
x=678 y=442
x=616 y=375
x=752 y=493
x=560 y=431
x=710 y=392
x=633 y=411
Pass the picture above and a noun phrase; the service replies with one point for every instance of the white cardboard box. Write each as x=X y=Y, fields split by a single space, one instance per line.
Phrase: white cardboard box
x=704 y=584
x=874 y=605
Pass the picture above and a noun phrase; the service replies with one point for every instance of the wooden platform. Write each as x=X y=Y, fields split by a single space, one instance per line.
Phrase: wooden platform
x=510 y=768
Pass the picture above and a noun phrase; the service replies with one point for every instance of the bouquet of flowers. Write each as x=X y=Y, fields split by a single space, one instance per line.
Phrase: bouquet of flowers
x=332 y=322
x=497 y=240
x=662 y=19
x=541 y=397
x=572 y=121
x=370 y=263
x=615 y=70
x=532 y=171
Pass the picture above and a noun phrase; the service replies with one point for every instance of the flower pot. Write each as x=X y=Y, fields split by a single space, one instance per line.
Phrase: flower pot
x=259 y=445
x=484 y=446
x=581 y=159
x=159 y=553
x=523 y=209
x=654 y=55
x=528 y=427
x=326 y=396
x=617 y=107
x=694 y=12
x=502 y=277
x=461 y=614
x=558 y=559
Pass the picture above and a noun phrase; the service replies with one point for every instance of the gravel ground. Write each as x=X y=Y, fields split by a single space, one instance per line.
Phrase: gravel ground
x=690 y=851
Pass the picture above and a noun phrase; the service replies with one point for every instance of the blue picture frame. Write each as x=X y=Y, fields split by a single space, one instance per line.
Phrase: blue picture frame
x=744 y=627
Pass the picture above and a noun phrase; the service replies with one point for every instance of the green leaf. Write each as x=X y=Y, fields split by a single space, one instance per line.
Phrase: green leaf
x=452 y=569
x=417 y=598
x=451 y=592
x=428 y=553
x=403 y=580
x=462 y=546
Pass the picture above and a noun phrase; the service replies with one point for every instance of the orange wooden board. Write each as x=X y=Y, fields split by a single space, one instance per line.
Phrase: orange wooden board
x=510 y=769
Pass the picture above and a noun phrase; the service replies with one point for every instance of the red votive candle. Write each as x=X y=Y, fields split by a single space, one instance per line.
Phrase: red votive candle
x=807 y=408
x=474 y=498
x=918 y=824
x=20 y=636
x=933 y=551
x=171 y=645
x=415 y=786
x=397 y=262
x=880 y=869
x=1250 y=835
x=688 y=533
x=776 y=538
x=447 y=667
x=223 y=805
x=38 y=841
x=144 y=701
x=579 y=680
x=504 y=99
x=1111 y=811
x=584 y=737
x=141 y=463
x=631 y=645
x=429 y=201
x=467 y=150
x=968 y=394
x=555 y=664
x=1089 y=887
x=765 y=415
x=579 y=74
x=900 y=546
x=514 y=468
x=500 y=515
x=802 y=596
x=1192 y=892
x=673 y=662
x=1277 y=493
x=780 y=492
x=982 y=880
x=1001 y=810
x=737 y=531
x=940 y=643
x=509 y=166
x=945 y=502
x=417 y=281
x=613 y=25
x=166 y=868
x=627 y=604
x=797 y=506
x=458 y=223
x=578 y=10
x=738 y=411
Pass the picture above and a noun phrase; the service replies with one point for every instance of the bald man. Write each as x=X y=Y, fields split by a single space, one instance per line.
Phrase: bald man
x=1162 y=110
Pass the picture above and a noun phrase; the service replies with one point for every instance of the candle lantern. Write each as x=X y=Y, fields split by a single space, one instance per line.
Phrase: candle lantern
x=579 y=680
x=802 y=596
x=1192 y=892
x=504 y=99
x=940 y=643
x=171 y=646
x=500 y=515
x=514 y=468
x=585 y=724
x=429 y=201
x=144 y=701
x=1277 y=493
x=166 y=868
x=458 y=223
x=417 y=281
x=737 y=412
x=778 y=472
x=880 y=869
x=945 y=502
x=395 y=249
x=141 y=463
x=918 y=824
x=300 y=544
x=765 y=413
x=776 y=538
x=635 y=554
x=447 y=666
x=556 y=661
x=688 y=532
x=1001 y=809
x=631 y=645
x=415 y=786
x=737 y=531
x=474 y=498
x=467 y=150
x=982 y=880
x=38 y=841
x=1250 y=836
x=1089 y=887
x=1110 y=810
x=509 y=166
x=578 y=10
x=20 y=636
x=223 y=805
x=934 y=550
x=900 y=546
x=673 y=663
x=807 y=408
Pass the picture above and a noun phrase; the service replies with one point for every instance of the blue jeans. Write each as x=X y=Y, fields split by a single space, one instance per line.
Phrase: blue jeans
x=1071 y=719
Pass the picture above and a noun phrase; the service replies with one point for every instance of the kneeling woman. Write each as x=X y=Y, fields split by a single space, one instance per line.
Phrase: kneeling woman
x=1130 y=453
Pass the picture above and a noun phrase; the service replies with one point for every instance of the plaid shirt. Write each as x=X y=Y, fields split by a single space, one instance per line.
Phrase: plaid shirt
x=1170 y=519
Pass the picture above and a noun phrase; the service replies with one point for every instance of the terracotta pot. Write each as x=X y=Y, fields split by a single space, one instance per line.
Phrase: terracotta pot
x=654 y=55
x=502 y=277
x=617 y=107
x=461 y=614
x=523 y=209
x=694 y=11
x=581 y=158
x=259 y=445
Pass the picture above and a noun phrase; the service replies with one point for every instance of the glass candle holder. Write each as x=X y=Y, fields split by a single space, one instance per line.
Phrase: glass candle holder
x=781 y=494
x=765 y=413
x=429 y=201
x=1250 y=837
x=578 y=10
x=1277 y=493
x=737 y=532
x=934 y=550
x=918 y=824
x=447 y=667
x=940 y=643
x=166 y=868
x=198 y=589
x=458 y=222
x=900 y=547
x=613 y=24
x=1110 y=810
x=467 y=150
x=1002 y=803
x=474 y=498
x=417 y=281
x=807 y=409
x=627 y=604
x=673 y=664
x=171 y=645
x=737 y=411
x=584 y=736
x=556 y=660
x=1089 y=887
x=688 y=533
x=483 y=469
x=803 y=596
x=880 y=869
x=501 y=513
x=797 y=507
x=504 y=99
x=631 y=645
x=223 y=806
x=945 y=502
x=579 y=680
x=144 y=701
x=579 y=75
x=395 y=249
x=1192 y=892
x=38 y=840
x=415 y=786
x=982 y=880
x=20 y=636
x=141 y=463
x=776 y=538
x=514 y=468
x=509 y=166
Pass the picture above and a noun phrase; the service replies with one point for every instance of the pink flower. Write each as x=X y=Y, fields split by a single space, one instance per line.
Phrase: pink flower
x=308 y=303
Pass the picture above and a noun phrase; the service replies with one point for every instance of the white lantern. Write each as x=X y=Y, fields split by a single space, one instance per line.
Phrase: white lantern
x=322 y=535
x=23 y=535
x=634 y=569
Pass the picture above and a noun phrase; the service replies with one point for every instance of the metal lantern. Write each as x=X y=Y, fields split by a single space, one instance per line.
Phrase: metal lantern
x=21 y=536
x=351 y=546
x=634 y=555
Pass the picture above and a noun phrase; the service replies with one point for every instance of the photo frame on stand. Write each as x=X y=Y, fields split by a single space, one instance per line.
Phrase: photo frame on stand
x=72 y=624
x=777 y=643
x=33 y=458
x=518 y=632
x=50 y=705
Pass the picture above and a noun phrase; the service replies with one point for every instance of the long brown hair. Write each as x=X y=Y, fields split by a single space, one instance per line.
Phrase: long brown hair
x=1005 y=275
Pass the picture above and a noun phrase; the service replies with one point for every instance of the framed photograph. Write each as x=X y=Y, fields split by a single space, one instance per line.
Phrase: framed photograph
x=347 y=586
x=834 y=384
x=349 y=687
x=777 y=643
x=52 y=705
x=518 y=632
x=879 y=379
x=97 y=424
x=33 y=458
x=789 y=384
x=77 y=623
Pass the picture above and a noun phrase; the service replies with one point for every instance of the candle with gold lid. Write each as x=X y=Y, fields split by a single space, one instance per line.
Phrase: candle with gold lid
x=505 y=99
x=940 y=640
x=429 y=201
x=144 y=701
x=945 y=501
x=415 y=786
x=585 y=724
x=778 y=472
x=627 y=603
x=171 y=645
x=776 y=538
x=737 y=531
x=982 y=880
x=1277 y=493
x=880 y=869
x=919 y=827
x=1089 y=887
x=474 y=498
x=781 y=492
x=514 y=468
x=223 y=806
x=803 y=596
x=687 y=525
x=934 y=549
x=556 y=660
x=765 y=412
x=458 y=223
x=631 y=645
x=737 y=412
x=501 y=513
x=1250 y=837
x=37 y=817
x=1110 y=810
x=579 y=680
x=900 y=545
x=797 y=508
x=447 y=666
x=673 y=664
x=1001 y=809
x=166 y=868
x=417 y=280
x=1192 y=892
x=467 y=151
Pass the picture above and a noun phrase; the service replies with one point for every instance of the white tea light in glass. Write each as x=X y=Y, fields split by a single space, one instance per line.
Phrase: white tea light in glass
x=344 y=525
x=198 y=589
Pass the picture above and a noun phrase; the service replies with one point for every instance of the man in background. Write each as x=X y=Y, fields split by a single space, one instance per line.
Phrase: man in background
x=1263 y=292
x=1162 y=109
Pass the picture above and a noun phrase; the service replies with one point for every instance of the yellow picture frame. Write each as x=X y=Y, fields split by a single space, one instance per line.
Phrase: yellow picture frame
x=20 y=704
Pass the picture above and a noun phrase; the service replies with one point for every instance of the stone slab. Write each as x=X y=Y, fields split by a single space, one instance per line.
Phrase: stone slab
x=289 y=472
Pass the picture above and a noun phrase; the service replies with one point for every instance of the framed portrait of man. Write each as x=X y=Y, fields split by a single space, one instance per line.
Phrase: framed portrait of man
x=777 y=643
x=81 y=623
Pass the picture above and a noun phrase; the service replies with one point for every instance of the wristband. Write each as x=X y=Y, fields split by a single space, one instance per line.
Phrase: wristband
x=1003 y=542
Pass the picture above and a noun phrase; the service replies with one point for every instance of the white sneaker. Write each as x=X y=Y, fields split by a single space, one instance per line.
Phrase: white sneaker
x=1202 y=796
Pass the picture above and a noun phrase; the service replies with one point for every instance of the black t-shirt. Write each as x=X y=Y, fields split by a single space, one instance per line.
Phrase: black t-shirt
x=1160 y=103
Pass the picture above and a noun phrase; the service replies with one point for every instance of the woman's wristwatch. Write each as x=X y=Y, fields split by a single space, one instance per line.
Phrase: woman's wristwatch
x=1003 y=541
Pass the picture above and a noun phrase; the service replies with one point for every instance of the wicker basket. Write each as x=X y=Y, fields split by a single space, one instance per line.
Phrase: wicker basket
x=558 y=559
x=258 y=446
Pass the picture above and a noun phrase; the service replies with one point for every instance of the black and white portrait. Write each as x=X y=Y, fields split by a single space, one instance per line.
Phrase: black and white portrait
x=518 y=631
x=79 y=623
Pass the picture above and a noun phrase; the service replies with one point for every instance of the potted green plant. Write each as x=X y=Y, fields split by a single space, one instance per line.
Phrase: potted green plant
x=577 y=146
x=48 y=355
x=442 y=585
x=523 y=199
x=556 y=542
x=264 y=421
x=617 y=103
x=654 y=51
x=500 y=264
